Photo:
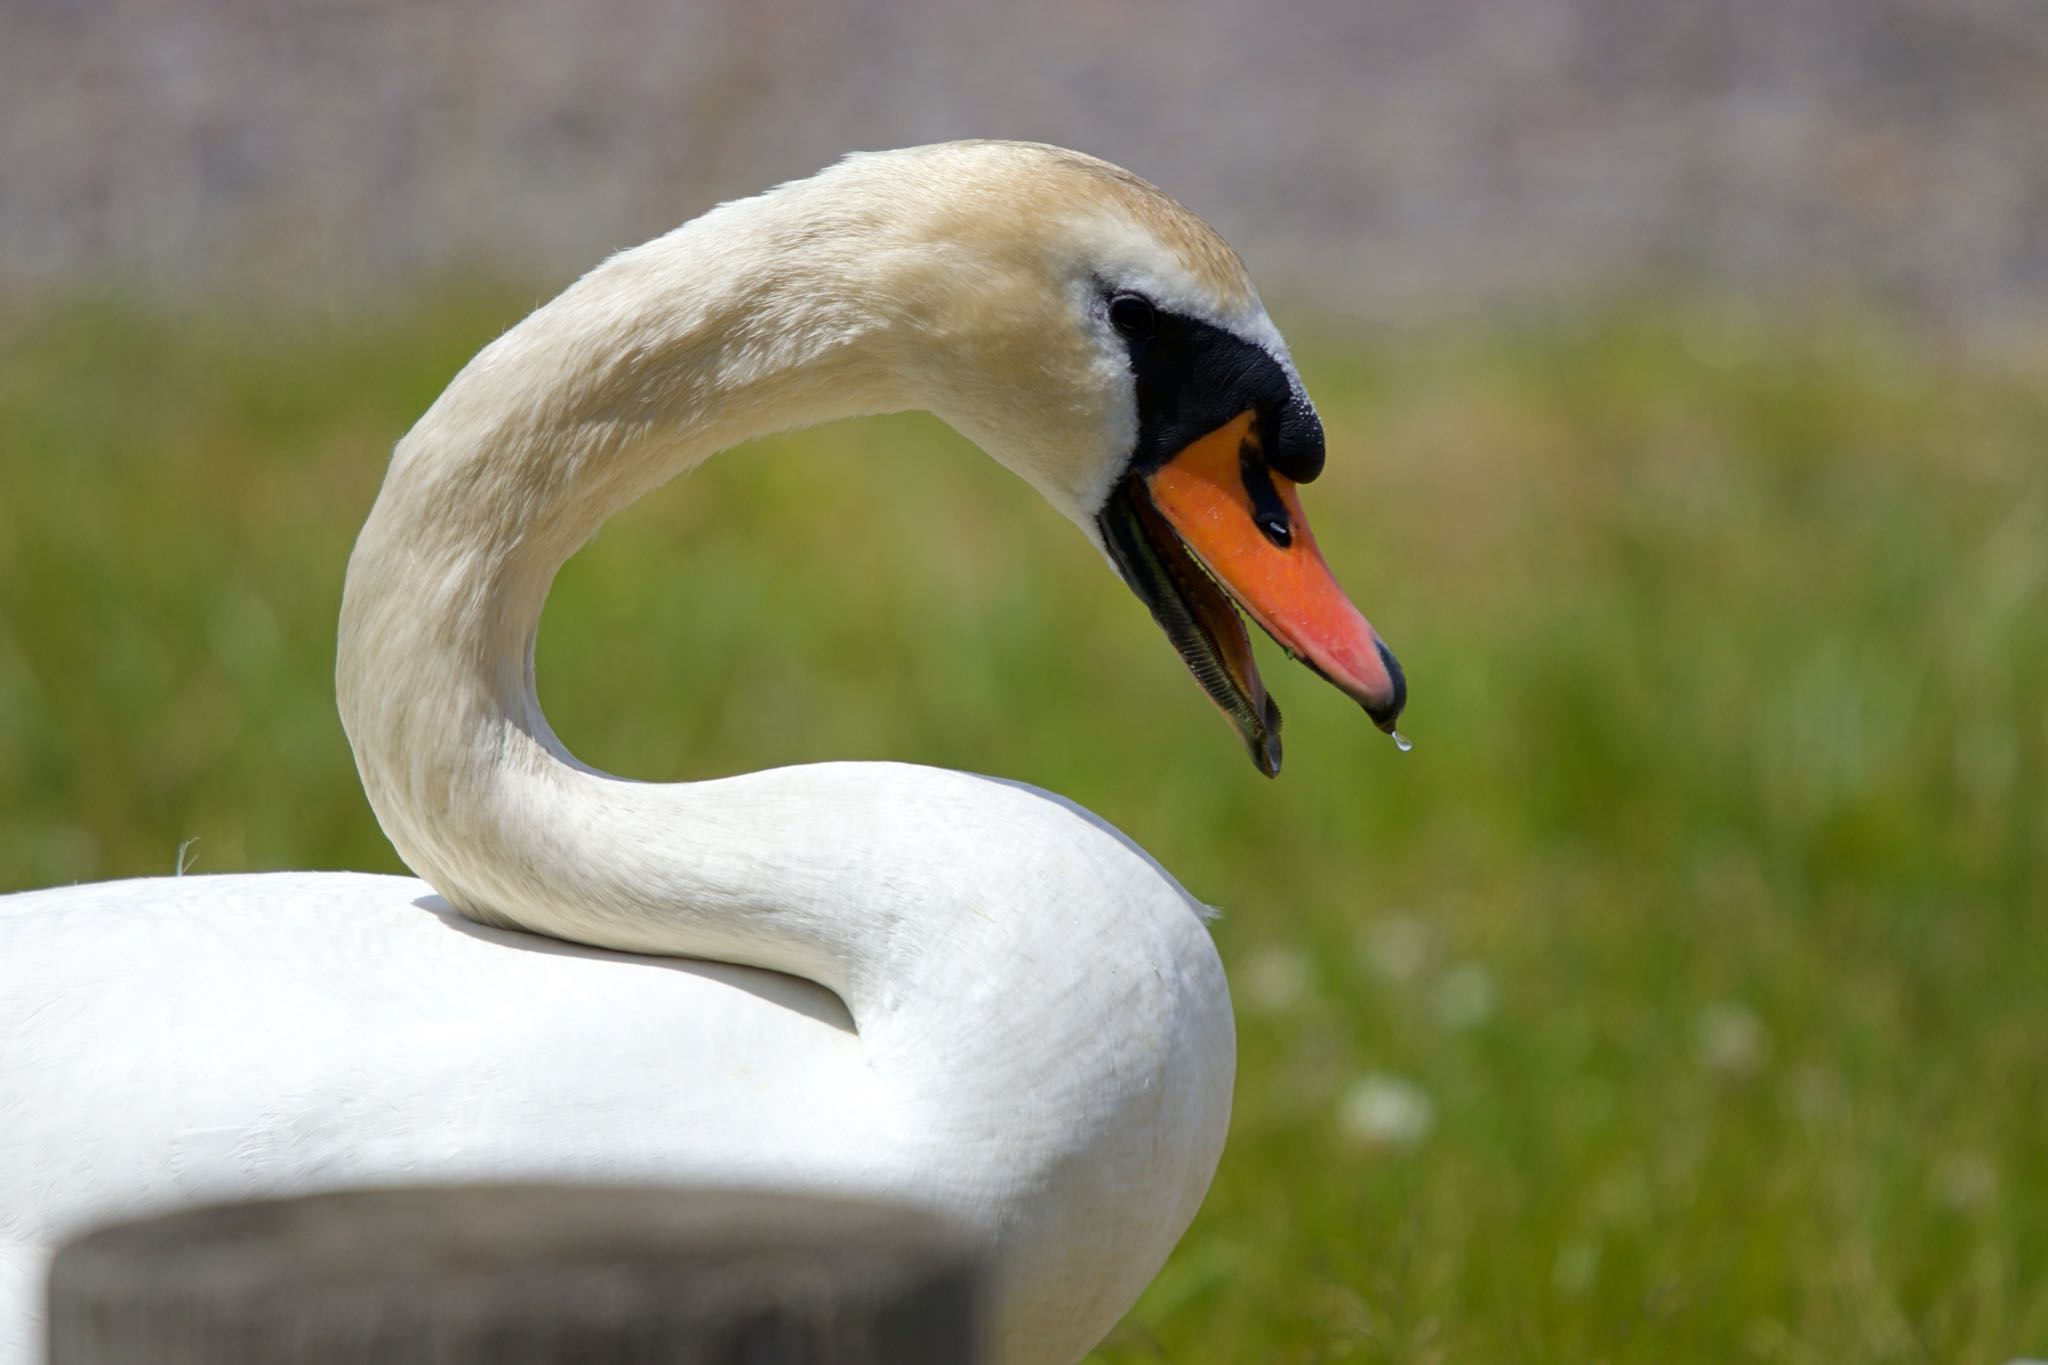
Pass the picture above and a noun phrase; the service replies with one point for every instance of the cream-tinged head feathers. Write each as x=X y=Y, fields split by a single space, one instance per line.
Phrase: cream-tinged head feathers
x=994 y=262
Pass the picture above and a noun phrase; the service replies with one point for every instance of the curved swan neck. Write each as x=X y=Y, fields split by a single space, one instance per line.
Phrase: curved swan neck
x=660 y=357
x=881 y=882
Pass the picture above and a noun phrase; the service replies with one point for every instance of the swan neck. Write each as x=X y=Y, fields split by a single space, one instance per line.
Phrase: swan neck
x=659 y=358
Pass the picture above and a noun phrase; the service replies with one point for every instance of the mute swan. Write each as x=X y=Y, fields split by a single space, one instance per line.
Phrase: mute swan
x=976 y=994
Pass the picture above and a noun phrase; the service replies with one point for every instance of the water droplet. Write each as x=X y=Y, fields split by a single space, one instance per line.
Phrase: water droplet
x=1401 y=741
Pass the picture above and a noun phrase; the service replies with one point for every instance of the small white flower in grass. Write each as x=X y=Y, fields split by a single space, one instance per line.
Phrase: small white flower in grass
x=1397 y=946
x=1817 y=1094
x=1624 y=1199
x=1731 y=1040
x=1965 y=1180
x=1384 y=1110
x=1276 y=978
x=1465 y=996
x=1578 y=1261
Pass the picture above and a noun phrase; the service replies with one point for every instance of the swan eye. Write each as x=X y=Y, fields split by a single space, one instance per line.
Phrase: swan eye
x=1132 y=315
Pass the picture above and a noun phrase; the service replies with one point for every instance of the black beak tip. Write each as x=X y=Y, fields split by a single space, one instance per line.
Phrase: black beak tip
x=1385 y=716
x=1265 y=742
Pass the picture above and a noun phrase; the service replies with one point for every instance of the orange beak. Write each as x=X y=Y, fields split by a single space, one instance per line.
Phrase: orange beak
x=1218 y=504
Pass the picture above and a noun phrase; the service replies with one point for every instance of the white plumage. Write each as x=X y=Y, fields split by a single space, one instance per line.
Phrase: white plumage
x=858 y=977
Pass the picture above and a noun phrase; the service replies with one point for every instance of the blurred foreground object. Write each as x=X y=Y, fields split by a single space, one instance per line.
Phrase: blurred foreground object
x=520 y=1273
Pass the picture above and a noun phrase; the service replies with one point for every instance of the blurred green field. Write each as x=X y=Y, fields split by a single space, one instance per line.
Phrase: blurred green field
x=1679 y=998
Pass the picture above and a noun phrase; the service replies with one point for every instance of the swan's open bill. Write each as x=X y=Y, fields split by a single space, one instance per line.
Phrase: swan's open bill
x=1206 y=516
x=1217 y=513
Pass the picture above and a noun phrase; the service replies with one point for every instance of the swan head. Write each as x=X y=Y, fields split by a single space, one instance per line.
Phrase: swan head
x=1107 y=345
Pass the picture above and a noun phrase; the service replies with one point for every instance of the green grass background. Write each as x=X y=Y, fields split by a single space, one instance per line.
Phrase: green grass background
x=1693 y=964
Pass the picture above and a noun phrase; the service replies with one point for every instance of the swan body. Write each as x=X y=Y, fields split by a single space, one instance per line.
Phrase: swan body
x=865 y=978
